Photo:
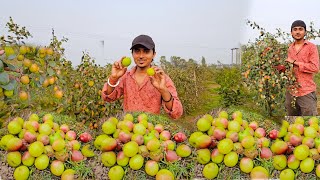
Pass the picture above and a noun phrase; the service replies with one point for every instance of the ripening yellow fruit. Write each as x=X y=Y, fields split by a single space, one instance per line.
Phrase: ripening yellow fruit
x=20 y=57
x=76 y=85
x=49 y=51
x=42 y=50
x=150 y=71
x=56 y=88
x=45 y=83
x=27 y=62
x=126 y=62
x=25 y=79
x=23 y=50
x=28 y=49
x=23 y=95
x=90 y=83
x=58 y=94
x=51 y=80
x=34 y=68
x=42 y=55
x=8 y=93
x=9 y=51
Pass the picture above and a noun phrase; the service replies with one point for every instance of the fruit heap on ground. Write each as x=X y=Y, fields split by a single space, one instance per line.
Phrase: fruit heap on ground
x=139 y=144
x=42 y=143
x=232 y=141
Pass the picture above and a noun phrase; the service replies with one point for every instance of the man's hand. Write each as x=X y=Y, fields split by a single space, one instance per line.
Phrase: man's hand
x=158 y=80
x=118 y=70
x=289 y=60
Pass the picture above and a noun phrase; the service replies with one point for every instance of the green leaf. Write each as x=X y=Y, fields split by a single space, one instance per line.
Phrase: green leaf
x=11 y=57
x=42 y=79
x=42 y=62
x=33 y=84
x=52 y=64
x=10 y=86
x=50 y=72
x=11 y=67
x=4 y=78
x=1 y=66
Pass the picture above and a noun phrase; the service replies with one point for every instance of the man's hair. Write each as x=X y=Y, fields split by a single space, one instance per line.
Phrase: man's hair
x=298 y=23
x=141 y=46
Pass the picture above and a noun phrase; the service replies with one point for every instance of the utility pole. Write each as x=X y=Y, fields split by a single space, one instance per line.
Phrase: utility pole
x=239 y=56
x=232 y=55
x=102 y=45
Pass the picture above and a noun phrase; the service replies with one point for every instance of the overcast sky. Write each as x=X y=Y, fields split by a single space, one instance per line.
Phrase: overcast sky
x=185 y=28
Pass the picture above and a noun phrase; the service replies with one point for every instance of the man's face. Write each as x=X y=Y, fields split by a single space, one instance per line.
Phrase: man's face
x=298 y=32
x=143 y=56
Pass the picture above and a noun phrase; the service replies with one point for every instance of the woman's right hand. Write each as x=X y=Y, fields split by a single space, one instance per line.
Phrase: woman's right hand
x=118 y=70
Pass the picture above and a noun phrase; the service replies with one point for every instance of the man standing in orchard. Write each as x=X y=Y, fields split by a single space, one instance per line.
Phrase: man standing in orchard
x=142 y=91
x=305 y=59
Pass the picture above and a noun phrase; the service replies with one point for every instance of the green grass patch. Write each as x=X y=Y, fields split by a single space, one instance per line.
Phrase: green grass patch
x=82 y=169
x=45 y=174
x=183 y=169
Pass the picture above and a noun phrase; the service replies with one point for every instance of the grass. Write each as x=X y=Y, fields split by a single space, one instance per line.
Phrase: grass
x=210 y=101
x=268 y=164
x=135 y=174
x=36 y=174
x=210 y=97
x=82 y=169
x=228 y=173
x=183 y=169
x=3 y=131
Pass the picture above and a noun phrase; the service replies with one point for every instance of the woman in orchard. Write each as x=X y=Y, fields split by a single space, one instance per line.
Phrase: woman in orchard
x=305 y=58
x=144 y=88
